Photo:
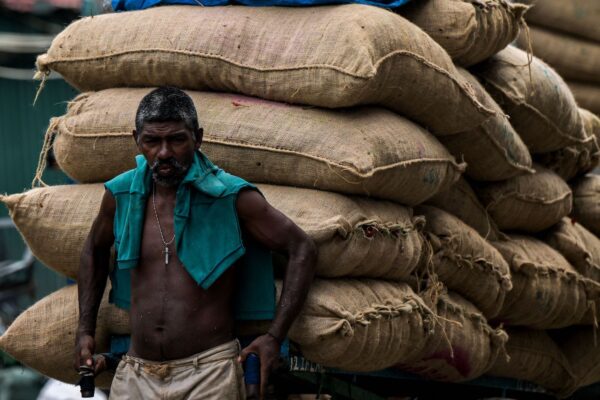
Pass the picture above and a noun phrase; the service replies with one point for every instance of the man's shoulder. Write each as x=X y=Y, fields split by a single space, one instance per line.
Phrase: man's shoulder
x=120 y=183
x=232 y=183
x=231 y=180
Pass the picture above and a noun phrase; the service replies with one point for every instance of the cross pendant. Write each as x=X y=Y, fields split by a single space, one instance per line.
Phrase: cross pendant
x=166 y=251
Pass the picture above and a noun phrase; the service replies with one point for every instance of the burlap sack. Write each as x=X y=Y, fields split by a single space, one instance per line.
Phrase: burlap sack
x=461 y=201
x=578 y=245
x=581 y=347
x=355 y=236
x=55 y=222
x=571 y=161
x=591 y=123
x=493 y=151
x=534 y=357
x=528 y=203
x=463 y=346
x=43 y=336
x=362 y=325
x=573 y=58
x=465 y=262
x=469 y=31
x=587 y=95
x=577 y=17
x=578 y=159
x=547 y=291
x=541 y=107
x=369 y=151
x=586 y=202
x=329 y=56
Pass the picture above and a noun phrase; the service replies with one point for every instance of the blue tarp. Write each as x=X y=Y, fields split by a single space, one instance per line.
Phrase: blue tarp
x=128 y=5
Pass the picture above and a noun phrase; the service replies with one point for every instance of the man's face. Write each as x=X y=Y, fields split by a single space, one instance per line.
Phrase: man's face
x=169 y=149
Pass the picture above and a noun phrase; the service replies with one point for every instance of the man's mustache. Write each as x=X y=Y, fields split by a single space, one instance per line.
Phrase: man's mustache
x=169 y=162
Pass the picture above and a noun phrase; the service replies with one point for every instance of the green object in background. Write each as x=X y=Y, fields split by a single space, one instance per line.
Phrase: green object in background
x=22 y=135
x=23 y=128
x=6 y=361
x=19 y=383
x=94 y=7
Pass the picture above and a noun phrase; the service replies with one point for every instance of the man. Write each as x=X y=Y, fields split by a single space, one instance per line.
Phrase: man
x=176 y=222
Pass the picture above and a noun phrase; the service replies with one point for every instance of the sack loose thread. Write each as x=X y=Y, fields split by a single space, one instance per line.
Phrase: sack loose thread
x=46 y=147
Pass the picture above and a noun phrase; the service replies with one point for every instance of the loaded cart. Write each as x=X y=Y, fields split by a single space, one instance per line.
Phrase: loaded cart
x=297 y=375
x=302 y=376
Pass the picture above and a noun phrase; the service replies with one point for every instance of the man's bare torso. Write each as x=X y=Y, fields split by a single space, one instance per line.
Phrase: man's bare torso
x=171 y=316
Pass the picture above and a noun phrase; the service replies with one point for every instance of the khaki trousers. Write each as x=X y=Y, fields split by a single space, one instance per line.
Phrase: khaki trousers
x=213 y=374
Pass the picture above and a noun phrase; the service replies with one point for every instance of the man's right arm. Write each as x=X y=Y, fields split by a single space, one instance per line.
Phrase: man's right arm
x=91 y=279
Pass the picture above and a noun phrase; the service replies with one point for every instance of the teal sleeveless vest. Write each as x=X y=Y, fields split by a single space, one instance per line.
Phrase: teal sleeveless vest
x=208 y=236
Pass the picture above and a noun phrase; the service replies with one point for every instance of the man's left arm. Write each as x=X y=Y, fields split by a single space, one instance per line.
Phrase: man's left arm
x=277 y=232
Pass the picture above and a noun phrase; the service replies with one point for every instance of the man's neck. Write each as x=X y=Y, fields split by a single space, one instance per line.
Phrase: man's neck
x=165 y=192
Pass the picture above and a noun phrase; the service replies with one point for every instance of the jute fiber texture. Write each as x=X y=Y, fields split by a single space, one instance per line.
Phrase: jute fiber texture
x=365 y=150
x=461 y=201
x=581 y=347
x=587 y=95
x=528 y=203
x=536 y=358
x=465 y=262
x=586 y=202
x=43 y=336
x=576 y=17
x=55 y=221
x=578 y=245
x=493 y=151
x=469 y=31
x=573 y=58
x=591 y=123
x=577 y=159
x=355 y=236
x=328 y=56
x=362 y=325
x=463 y=346
x=540 y=105
x=547 y=291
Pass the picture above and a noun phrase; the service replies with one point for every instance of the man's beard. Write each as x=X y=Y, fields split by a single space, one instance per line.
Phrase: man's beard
x=175 y=178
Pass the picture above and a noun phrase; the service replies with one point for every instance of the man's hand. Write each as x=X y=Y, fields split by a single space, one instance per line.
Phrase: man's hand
x=100 y=364
x=279 y=233
x=266 y=347
x=84 y=354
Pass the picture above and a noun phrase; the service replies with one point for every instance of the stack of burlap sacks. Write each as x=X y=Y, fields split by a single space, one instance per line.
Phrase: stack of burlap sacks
x=357 y=123
x=566 y=34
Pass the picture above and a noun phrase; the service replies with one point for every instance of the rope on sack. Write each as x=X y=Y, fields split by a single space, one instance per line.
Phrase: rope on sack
x=429 y=269
x=436 y=319
x=43 y=76
x=528 y=50
x=41 y=166
x=434 y=292
x=501 y=339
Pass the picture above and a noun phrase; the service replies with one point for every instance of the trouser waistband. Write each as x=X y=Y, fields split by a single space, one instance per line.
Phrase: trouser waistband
x=162 y=369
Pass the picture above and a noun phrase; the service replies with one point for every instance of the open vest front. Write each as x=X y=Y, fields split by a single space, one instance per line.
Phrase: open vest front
x=208 y=235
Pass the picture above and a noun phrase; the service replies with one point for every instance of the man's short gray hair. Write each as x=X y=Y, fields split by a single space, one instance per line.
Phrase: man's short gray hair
x=166 y=104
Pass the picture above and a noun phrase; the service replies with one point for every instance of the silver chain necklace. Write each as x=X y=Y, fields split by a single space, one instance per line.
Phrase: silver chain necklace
x=162 y=237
